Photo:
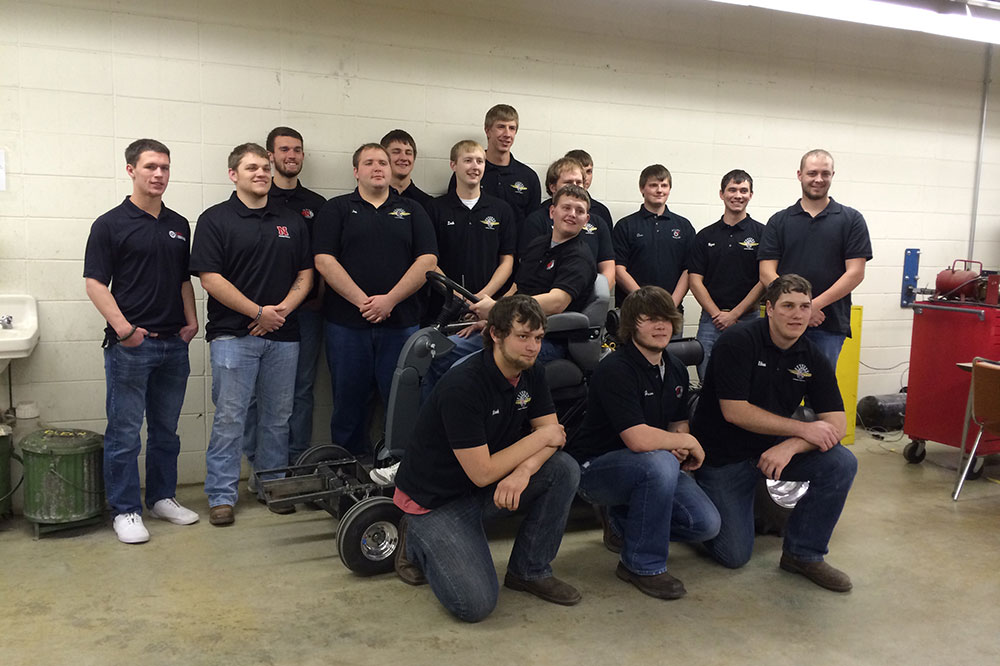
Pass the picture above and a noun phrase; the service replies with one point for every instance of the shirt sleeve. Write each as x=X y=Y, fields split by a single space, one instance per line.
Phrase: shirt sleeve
x=424 y=239
x=858 y=244
x=770 y=244
x=464 y=418
x=823 y=391
x=541 y=399
x=327 y=229
x=536 y=224
x=304 y=260
x=605 y=249
x=207 y=248
x=618 y=391
x=688 y=243
x=619 y=240
x=576 y=274
x=508 y=229
x=697 y=261
x=98 y=261
x=733 y=365
x=678 y=381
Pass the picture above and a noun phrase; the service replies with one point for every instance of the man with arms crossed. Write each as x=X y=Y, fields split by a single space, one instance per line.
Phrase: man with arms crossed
x=253 y=259
x=823 y=241
x=140 y=248
x=470 y=460
x=634 y=446
x=722 y=265
x=758 y=375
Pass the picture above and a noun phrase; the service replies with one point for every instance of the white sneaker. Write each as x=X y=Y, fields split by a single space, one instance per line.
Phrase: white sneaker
x=170 y=510
x=129 y=528
x=384 y=476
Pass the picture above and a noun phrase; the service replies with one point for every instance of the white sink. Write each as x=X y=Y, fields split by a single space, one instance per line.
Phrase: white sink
x=19 y=341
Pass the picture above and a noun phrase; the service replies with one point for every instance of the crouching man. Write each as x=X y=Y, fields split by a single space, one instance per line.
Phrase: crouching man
x=487 y=443
x=634 y=447
x=758 y=374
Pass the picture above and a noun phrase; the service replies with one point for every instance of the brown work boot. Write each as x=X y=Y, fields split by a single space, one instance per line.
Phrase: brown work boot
x=818 y=572
x=612 y=541
x=221 y=515
x=407 y=571
x=661 y=586
x=550 y=589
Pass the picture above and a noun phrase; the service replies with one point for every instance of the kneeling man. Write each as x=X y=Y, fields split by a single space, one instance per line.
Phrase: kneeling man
x=758 y=375
x=634 y=446
x=487 y=443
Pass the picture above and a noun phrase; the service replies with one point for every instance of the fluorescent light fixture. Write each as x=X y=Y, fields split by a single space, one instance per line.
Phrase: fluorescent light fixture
x=963 y=25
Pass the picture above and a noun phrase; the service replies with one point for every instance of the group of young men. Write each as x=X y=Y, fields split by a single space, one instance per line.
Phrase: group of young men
x=286 y=270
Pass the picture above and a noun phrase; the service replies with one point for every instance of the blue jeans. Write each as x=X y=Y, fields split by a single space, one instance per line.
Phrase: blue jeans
x=359 y=356
x=449 y=543
x=708 y=334
x=651 y=502
x=241 y=368
x=810 y=525
x=829 y=343
x=300 y=424
x=150 y=379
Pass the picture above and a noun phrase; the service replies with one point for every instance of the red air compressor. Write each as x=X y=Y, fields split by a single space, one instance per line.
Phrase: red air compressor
x=960 y=321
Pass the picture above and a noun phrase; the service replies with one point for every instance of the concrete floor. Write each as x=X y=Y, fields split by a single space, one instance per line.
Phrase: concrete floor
x=271 y=590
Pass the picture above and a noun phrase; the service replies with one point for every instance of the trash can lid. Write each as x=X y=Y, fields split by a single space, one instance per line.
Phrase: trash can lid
x=59 y=441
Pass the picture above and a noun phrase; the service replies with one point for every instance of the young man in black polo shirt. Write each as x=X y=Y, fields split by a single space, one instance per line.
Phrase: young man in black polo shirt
x=505 y=177
x=472 y=459
x=253 y=259
x=584 y=158
x=652 y=244
x=140 y=249
x=758 y=375
x=402 y=151
x=596 y=233
x=722 y=265
x=373 y=248
x=475 y=231
x=823 y=241
x=634 y=446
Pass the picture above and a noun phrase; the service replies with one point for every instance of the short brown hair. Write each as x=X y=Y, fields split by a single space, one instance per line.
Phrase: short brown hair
x=786 y=284
x=519 y=308
x=399 y=136
x=281 y=131
x=655 y=172
x=815 y=152
x=574 y=191
x=581 y=156
x=501 y=112
x=139 y=146
x=241 y=150
x=464 y=146
x=558 y=168
x=649 y=301
x=367 y=146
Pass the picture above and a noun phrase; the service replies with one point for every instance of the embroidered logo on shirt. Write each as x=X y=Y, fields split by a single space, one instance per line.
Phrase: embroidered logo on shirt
x=283 y=232
x=676 y=233
x=522 y=400
x=801 y=372
x=678 y=391
x=174 y=234
x=399 y=213
x=519 y=187
x=750 y=243
x=490 y=222
x=307 y=213
x=549 y=266
x=589 y=229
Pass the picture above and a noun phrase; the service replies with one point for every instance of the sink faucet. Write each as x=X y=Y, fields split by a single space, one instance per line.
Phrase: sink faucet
x=6 y=321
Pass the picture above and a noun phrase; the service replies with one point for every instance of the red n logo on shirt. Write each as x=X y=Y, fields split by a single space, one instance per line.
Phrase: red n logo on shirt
x=283 y=232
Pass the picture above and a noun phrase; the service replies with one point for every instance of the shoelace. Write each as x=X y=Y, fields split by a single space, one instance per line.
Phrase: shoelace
x=132 y=518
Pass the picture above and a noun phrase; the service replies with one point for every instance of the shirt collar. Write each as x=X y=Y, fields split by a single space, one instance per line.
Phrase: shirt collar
x=242 y=210
x=647 y=214
x=497 y=378
x=832 y=208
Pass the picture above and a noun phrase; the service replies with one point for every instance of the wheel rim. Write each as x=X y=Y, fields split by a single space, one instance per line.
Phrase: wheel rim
x=379 y=540
x=787 y=494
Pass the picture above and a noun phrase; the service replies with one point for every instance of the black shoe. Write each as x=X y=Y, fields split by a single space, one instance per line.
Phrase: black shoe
x=280 y=510
x=612 y=541
x=818 y=572
x=407 y=571
x=550 y=589
x=661 y=586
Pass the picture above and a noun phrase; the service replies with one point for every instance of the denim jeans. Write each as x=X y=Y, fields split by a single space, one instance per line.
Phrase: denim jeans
x=449 y=543
x=300 y=425
x=150 y=379
x=829 y=343
x=360 y=356
x=708 y=334
x=651 y=503
x=810 y=525
x=241 y=368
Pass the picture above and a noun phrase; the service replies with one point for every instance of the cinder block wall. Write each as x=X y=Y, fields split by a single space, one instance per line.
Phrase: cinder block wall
x=699 y=87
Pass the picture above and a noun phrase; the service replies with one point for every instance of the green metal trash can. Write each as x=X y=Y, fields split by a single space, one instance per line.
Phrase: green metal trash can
x=63 y=478
x=6 y=435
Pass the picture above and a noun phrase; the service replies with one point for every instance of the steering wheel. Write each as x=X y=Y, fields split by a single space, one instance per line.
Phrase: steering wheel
x=445 y=283
x=454 y=308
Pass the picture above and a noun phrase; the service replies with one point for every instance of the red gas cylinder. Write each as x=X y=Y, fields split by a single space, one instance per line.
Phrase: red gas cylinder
x=954 y=283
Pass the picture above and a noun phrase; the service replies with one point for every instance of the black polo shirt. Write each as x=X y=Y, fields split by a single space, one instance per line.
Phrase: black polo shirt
x=471 y=241
x=144 y=259
x=627 y=391
x=306 y=203
x=260 y=251
x=516 y=183
x=376 y=246
x=746 y=365
x=726 y=258
x=596 y=233
x=416 y=194
x=472 y=405
x=652 y=248
x=816 y=248
x=568 y=266
x=597 y=208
